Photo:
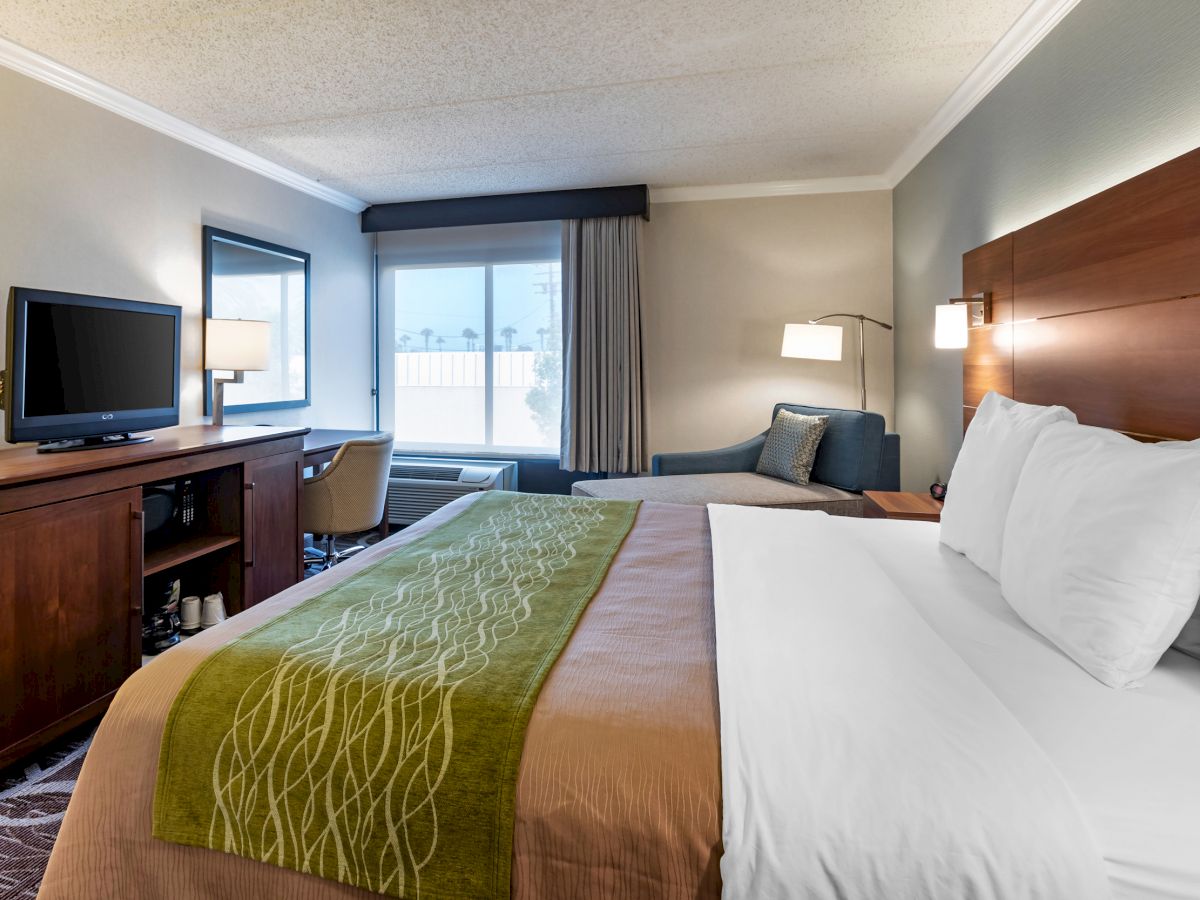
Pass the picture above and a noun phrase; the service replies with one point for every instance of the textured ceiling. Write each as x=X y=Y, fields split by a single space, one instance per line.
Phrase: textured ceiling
x=416 y=99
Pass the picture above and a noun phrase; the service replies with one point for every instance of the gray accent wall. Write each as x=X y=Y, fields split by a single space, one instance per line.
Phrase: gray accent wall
x=1113 y=91
x=93 y=203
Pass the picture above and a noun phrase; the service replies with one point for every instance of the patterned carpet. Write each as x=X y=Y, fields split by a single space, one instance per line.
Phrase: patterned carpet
x=33 y=799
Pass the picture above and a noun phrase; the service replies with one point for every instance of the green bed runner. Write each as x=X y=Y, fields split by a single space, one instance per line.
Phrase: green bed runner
x=372 y=734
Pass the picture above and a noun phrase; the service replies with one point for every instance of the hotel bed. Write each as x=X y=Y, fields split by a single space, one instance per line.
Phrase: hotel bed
x=620 y=784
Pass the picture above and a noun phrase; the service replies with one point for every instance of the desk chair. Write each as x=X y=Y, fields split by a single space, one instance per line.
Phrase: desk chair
x=347 y=496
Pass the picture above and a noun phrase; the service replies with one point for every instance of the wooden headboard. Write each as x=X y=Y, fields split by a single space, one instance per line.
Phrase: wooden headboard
x=1097 y=308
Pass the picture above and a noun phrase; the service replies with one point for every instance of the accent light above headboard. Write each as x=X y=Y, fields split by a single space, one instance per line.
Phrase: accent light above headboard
x=1096 y=308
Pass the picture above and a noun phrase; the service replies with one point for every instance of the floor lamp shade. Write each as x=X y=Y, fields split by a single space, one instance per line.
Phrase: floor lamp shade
x=812 y=340
x=239 y=345
x=809 y=341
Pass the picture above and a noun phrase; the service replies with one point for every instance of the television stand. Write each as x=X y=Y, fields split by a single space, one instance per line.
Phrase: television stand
x=77 y=570
x=94 y=443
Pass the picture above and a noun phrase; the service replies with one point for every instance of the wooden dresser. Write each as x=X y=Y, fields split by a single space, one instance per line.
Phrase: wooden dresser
x=75 y=564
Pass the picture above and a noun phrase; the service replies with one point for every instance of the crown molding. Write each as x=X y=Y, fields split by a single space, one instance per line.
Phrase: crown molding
x=769 y=189
x=34 y=65
x=1027 y=32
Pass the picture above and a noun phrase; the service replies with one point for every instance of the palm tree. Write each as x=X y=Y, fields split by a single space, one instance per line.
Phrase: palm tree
x=404 y=339
x=541 y=333
x=427 y=333
x=439 y=342
x=471 y=336
x=507 y=333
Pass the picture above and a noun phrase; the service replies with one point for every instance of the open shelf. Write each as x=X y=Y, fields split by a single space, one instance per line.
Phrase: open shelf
x=185 y=550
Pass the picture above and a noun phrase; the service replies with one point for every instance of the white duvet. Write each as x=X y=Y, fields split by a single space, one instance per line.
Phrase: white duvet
x=861 y=757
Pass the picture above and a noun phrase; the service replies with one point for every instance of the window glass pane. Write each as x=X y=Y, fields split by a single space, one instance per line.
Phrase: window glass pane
x=439 y=356
x=527 y=359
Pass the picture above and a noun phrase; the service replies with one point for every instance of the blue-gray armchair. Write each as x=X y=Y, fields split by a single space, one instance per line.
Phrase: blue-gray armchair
x=855 y=455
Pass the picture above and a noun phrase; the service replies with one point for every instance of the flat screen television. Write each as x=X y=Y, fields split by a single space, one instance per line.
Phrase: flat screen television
x=88 y=371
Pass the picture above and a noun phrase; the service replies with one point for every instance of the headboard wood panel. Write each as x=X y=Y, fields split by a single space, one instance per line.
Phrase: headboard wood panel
x=987 y=361
x=1135 y=242
x=1105 y=296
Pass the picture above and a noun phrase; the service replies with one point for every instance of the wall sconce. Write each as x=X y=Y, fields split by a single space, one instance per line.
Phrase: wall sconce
x=953 y=319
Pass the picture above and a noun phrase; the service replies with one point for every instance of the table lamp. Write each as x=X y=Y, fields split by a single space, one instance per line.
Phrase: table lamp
x=812 y=340
x=237 y=345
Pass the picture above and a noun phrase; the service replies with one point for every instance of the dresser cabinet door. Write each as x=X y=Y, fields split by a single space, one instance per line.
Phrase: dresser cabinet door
x=70 y=613
x=273 y=544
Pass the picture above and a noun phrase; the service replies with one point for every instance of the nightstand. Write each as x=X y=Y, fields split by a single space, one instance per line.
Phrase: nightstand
x=912 y=505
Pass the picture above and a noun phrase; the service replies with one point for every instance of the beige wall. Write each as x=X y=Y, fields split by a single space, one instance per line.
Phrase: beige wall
x=720 y=280
x=93 y=203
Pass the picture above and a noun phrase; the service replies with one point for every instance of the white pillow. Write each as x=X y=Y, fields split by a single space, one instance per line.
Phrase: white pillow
x=985 y=475
x=1189 y=638
x=1102 y=547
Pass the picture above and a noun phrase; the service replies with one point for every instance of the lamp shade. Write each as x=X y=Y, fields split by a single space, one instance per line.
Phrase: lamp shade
x=950 y=326
x=808 y=341
x=239 y=345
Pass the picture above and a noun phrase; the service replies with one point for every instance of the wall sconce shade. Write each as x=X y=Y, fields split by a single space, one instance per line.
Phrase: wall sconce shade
x=950 y=326
x=239 y=345
x=953 y=319
x=809 y=341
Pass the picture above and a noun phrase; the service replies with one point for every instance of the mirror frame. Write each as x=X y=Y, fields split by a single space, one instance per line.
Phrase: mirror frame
x=210 y=234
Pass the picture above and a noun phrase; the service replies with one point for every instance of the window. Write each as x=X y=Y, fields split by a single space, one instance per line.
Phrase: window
x=251 y=279
x=475 y=347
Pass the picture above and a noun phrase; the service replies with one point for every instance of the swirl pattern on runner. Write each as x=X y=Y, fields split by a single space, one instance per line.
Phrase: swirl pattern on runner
x=375 y=684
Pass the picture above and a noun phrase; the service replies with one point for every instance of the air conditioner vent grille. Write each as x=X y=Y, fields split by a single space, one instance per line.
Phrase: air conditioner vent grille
x=418 y=487
x=427 y=473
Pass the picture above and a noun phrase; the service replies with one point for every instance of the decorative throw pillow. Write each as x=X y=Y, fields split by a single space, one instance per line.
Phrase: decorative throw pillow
x=791 y=447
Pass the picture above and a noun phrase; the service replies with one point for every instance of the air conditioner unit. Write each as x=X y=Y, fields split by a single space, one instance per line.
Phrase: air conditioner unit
x=418 y=486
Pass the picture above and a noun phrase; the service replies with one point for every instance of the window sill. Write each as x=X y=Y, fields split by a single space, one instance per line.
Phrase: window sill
x=469 y=453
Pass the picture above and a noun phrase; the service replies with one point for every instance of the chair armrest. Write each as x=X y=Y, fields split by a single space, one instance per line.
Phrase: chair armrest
x=889 y=464
x=741 y=457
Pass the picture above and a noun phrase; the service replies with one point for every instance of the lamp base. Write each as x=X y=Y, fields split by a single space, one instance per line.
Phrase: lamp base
x=218 y=410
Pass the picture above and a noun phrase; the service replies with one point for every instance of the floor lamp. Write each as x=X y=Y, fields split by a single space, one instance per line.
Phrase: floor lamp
x=811 y=340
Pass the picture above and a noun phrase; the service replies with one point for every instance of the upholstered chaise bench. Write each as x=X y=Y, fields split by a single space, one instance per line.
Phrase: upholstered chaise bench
x=855 y=455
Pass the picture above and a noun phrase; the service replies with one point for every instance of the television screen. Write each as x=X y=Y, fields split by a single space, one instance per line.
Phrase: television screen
x=87 y=371
x=82 y=359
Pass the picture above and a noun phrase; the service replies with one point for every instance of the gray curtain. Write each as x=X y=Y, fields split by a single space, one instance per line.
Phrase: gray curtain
x=603 y=428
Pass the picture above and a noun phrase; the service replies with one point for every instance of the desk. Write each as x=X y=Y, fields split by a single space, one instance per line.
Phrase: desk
x=321 y=445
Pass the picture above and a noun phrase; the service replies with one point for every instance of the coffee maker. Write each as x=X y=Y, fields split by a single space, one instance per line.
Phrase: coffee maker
x=160 y=622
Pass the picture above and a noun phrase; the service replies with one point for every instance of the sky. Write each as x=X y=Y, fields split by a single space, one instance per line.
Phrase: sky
x=450 y=299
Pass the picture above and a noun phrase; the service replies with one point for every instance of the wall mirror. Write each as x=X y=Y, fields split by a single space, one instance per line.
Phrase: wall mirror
x=245 y=278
